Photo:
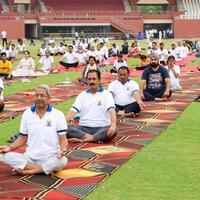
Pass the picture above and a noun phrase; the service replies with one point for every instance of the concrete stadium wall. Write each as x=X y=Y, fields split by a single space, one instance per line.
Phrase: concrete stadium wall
x=14 y=28
x=186 y=28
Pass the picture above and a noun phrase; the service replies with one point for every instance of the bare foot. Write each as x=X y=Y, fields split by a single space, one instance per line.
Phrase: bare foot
x=75 y=140
x=161 y=99
x=120 y=113
x=131 y=114
x=16 y=172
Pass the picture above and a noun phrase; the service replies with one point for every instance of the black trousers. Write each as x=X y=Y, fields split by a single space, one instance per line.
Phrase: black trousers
x=130 y=108
x=69 y=65
x=150 y=94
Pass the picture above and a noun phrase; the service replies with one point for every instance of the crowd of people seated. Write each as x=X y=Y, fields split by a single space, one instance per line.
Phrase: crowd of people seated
x=98 y=108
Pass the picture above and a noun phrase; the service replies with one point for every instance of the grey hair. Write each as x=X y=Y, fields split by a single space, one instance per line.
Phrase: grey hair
x=46 y=88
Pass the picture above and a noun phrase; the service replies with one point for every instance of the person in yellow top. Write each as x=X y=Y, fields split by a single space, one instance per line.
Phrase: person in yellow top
x=5 y=66
x=144 y=63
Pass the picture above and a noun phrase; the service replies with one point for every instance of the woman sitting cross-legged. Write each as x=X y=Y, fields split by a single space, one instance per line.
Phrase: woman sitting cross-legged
x=91 y=66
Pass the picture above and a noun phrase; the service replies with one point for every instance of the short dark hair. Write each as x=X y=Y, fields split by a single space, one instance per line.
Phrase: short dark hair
x=171 y=57
x=143 y=57
x=27 y=52
x=154 y=43
x=70 y=46
x=124 y=68
x=3 y=54
x=93 y=58
x=98 y=73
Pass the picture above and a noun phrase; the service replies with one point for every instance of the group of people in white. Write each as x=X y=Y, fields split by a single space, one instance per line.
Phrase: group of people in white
x=93 y=55
x=98 y=108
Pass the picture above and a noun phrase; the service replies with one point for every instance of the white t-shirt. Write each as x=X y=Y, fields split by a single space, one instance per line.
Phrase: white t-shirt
x=81 y=57
x=174 y=80
x=46 y=62
x=2 y=87
x=8 y=52
x=14 y=53
x=53 y=50
x=61 y=49
x=185 y=51
x=176 y=53
x=42 y=51
x=123 y=94
x=70 y=57
x=163 y=54
x=153 y=51
x=104 y=51
x=118 y=64
x=92 y=53
x=3 y=34
x=21 y=48
x=94 y=108
x=43 y=141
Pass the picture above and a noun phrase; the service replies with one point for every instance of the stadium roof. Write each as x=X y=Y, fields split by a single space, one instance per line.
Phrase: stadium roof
x=152 y=2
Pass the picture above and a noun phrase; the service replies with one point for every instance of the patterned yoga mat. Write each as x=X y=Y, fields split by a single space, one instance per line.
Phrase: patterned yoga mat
x=90 y=164
x=18 y=102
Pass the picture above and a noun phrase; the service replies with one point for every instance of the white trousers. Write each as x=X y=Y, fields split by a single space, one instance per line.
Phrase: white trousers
x=49 y=165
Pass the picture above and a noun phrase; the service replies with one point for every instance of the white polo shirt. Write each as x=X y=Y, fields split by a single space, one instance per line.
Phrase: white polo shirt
x=2 y=87
x=70 y=57
x=123 y=94
x=118 y=64
x=43 y=141
x=94 y=108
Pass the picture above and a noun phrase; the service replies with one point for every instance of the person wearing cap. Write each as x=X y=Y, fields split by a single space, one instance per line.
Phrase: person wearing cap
x=155 y=83
x=119 y=62
x=43 y=131
x=126 y=94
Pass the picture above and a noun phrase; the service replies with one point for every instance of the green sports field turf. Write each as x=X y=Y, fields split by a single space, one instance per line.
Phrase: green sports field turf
x=166 y=169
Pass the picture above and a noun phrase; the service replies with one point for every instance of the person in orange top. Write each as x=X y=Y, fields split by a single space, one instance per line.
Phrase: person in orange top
x=144 y=63
x=5 y=66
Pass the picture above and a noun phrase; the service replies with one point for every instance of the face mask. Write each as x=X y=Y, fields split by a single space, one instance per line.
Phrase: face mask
x=154 y=65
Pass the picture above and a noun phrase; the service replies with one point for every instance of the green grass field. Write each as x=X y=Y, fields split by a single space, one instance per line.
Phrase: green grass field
x=166 y=169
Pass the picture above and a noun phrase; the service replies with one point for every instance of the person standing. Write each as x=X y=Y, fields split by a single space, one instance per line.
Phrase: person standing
x=4 y=37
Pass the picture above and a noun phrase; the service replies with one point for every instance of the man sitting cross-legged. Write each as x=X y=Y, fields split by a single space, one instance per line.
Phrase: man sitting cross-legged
x=155 y=83
x=43 y=129
x=97 y=113
x=126 y=94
